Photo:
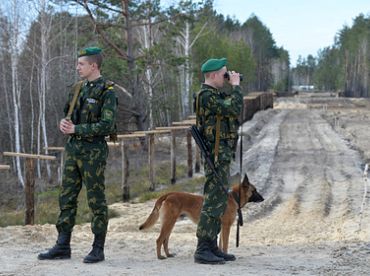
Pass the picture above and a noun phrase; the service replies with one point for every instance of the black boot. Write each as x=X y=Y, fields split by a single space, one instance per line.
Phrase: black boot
x=204 y=255
x=219 y=253
x=97 y=252
x=61 y=250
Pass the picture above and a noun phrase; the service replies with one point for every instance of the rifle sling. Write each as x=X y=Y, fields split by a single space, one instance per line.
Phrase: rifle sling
x=218 y=133
x=72 y=104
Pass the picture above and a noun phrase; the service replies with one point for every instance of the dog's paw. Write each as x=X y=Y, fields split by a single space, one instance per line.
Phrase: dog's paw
x=171 y=255
x=160 y=257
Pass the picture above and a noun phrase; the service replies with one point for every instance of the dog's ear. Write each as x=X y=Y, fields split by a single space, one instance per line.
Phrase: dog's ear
x=245 y=180
x=234 y=179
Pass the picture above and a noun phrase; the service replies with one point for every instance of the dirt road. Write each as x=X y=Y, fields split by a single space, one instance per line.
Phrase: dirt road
x=306 y=157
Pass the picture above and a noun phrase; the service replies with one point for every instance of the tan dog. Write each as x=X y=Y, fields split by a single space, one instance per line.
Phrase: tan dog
x=171 y=205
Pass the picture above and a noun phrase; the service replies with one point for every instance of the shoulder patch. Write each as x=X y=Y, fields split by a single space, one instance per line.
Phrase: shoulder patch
x=109 y=84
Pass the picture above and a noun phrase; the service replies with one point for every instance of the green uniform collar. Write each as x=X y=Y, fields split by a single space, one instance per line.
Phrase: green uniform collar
x=94 y=82
x=209 y=87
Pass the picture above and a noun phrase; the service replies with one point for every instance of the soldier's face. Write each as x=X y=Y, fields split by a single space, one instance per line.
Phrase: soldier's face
x=85 y=68
x=219 y=77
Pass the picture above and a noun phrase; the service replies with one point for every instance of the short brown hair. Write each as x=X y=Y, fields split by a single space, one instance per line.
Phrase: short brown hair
x=98 y=59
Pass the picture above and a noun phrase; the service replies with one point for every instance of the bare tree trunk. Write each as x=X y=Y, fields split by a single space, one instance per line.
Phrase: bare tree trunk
x=346 y=75
x=186 y=46
x=148 y=86
x=14 y=46
x=38 y=138
x=364 y=67
x=31 y=101
x=45 y=36
x=132 y=65
x=187 y=80
x=8 y=111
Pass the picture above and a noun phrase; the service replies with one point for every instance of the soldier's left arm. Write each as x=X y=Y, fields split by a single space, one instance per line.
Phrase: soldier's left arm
x=232 y=105
x=105 y=125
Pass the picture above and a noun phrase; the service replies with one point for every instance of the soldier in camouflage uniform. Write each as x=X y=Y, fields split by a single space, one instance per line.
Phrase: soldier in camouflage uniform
x=217 y=119
x=92 y=119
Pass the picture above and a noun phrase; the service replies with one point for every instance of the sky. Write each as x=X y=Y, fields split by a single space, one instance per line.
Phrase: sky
x=301 y=27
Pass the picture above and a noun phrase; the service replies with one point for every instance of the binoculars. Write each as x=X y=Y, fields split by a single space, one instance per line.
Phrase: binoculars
x=227 y=76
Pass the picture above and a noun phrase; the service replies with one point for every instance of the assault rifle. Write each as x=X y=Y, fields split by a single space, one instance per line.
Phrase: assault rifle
x=198 y=138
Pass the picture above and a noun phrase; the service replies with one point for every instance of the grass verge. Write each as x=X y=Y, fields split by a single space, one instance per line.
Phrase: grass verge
x=47 y=205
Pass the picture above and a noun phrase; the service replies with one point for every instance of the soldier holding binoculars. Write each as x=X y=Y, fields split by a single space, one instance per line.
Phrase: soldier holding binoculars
x=217 y=120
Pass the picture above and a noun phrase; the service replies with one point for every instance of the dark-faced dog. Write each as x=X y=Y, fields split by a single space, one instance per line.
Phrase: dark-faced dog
x=174 y=204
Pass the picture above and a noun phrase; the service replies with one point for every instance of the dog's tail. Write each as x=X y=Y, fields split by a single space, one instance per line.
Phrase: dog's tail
x=154 y=215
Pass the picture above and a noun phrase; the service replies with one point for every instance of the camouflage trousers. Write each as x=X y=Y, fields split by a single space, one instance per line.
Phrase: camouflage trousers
x=84 y=164
x=215 y=201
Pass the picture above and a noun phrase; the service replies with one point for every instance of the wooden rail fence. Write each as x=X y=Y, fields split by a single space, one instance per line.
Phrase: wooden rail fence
x=256 y=101
x=30 y=181
x=4 y=167
x=253 y=103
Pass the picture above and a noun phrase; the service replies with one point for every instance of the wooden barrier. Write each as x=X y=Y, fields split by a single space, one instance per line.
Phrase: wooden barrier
x=28 y=155
x=150 y=135
x=185 y=122
x=254 y=102
x=174 y=129
x=4 y=167
x=30 y=182
x=151 y=151
x=174 y=132
x=124 y=160
x=173 y=156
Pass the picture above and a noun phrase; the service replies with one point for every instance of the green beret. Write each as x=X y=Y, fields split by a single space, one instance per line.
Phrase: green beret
x=89 y=51
x=213 y=64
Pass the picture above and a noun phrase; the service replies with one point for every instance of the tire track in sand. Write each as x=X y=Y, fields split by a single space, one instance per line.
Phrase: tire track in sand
x=309 y=175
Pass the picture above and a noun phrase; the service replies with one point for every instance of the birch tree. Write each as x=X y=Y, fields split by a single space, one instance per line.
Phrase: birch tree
x=45 y=22
x=15 y=44
x=185 y=40
x=5 y=61
x=147 y=33
x=186 y=44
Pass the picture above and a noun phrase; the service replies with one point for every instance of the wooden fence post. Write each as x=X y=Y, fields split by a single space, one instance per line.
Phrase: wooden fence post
x=125 y=165
x=30 y=182
x=30 y=192
x=197 y=159
x=190 y=153
x=173 y=157
x=151 y=161
x=184 y=125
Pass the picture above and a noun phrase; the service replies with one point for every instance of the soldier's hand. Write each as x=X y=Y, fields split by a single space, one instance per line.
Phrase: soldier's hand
x=66 y=127
x=234 y=78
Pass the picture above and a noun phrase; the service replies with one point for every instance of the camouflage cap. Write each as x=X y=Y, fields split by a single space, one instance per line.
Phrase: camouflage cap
x=89 y=51
x=213 y=64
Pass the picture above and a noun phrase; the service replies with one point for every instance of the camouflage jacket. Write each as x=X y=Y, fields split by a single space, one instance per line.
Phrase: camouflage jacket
x=95 y=110
x=212 y=103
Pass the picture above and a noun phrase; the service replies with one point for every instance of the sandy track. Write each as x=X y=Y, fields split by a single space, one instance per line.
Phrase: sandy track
x=308 y=170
